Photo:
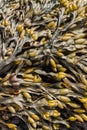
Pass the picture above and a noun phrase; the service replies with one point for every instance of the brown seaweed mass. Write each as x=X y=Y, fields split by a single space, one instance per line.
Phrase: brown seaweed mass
x=43 y=65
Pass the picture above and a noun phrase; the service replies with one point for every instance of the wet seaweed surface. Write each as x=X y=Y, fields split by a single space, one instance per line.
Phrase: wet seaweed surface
x=43 y=65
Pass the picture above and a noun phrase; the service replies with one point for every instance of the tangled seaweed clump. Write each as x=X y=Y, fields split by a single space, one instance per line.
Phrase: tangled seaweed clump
x=43 y=64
